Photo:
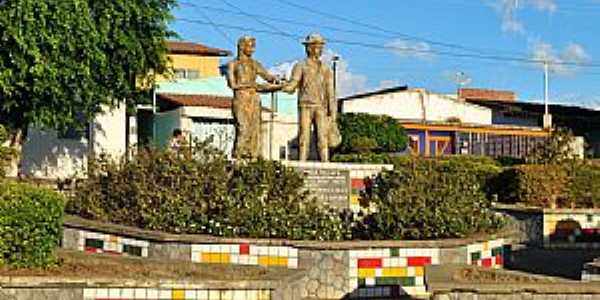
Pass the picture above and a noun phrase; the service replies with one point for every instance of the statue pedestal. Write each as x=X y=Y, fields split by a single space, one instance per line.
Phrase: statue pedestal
x=337 y=184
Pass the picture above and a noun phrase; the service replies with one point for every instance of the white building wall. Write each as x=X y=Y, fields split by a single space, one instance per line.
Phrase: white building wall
x=108 y=132
x=419 y=105
x=45 y=155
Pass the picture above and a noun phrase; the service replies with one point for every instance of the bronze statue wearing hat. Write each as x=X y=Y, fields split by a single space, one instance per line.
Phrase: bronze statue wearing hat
x=316 y=98
x=242 y=73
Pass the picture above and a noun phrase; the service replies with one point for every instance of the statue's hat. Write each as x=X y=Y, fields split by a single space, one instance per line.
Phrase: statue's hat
x=314 y=38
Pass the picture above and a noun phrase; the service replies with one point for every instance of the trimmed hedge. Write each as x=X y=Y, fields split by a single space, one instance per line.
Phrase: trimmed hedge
x=30 y=225
x=584 y=188
x=427 y=199
x=163 y=191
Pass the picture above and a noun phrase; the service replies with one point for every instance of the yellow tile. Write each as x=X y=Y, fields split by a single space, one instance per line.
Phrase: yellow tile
x=273 y=260
x=486 y=246
x=212 y=258
x=419 y=271
x=263 y=260
x=366 y=273
x=113 y=239
x=282 y=261
x=178 y=295
x=225 y=258
x=395 y=272
x=354 y=200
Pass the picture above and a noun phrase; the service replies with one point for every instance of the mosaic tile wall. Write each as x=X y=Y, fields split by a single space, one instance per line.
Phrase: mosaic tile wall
x=359 y=185
x=246 y=254
x=488 y=254
x=572 y=230
x=389 y=272
x=173 y=294
x=92 y=242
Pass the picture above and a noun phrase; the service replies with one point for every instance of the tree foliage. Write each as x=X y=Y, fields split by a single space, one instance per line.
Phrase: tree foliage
x=63 y=58
x=556 y=149
x=364 y=133
x=6 y=153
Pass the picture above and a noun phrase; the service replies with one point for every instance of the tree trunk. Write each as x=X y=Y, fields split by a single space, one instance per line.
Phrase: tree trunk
x=16 y=138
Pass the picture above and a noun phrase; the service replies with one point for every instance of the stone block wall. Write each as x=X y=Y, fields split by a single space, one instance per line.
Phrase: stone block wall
x=326 y=270
x=338 y=184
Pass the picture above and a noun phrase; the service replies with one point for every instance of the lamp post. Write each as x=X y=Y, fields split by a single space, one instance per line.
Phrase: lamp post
x=335 y=60
x=547 y=122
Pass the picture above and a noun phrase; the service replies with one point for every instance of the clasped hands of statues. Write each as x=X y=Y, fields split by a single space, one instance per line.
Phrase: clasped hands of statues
x=271 y=87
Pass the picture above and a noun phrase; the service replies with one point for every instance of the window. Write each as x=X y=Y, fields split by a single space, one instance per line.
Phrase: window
x=187 y=74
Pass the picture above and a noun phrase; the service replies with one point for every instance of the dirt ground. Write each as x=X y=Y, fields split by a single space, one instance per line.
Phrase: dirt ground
x=81 y=265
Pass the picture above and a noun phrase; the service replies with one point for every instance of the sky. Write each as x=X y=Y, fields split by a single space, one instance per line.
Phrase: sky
x=432 y=44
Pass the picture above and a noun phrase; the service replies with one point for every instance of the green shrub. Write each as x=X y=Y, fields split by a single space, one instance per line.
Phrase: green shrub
x=363 y=133
x=164 y=191
x=368 y=158
x=584 y=188
x=30 y=225
x=426 y=199
x=556 y=149
x=535 y=185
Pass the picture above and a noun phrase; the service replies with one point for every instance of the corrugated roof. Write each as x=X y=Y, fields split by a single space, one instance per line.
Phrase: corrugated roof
x=177 y=47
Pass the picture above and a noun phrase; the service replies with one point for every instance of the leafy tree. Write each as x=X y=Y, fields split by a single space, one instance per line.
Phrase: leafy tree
x=556 y=149
x=364 y=133
x=63 y=58
x=6 y=153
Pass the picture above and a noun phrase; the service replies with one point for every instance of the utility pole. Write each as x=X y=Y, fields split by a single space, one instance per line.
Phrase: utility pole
x=547 y=122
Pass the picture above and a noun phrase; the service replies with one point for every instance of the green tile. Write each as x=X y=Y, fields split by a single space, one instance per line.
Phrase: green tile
x=132 y=250
x=475 y=256
x=94 y=243
x=402 y=281
x=497 y=251
x=395 y=252
x=362 y=282
x=407 y=281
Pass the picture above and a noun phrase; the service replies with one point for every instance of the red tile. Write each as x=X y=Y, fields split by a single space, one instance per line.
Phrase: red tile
x=92 y=250
x=486 y=262
x=369 y=263
x=499 y=260
x=358 y=183
x=418 y=261
x=244 y=249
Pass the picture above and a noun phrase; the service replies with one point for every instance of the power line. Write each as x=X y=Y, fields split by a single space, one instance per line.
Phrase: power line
x=406 y=49
x=256 y=19
x=289 y=21
x=381 y=29
x=218 y=29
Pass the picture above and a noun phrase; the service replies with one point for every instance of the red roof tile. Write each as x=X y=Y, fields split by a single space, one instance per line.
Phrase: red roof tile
x=176 y=47
x=483 y=94
x=212 y=101
x=197 y=100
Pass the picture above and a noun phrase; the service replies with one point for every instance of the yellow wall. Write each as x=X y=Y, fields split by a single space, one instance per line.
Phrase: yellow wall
x=207 y=66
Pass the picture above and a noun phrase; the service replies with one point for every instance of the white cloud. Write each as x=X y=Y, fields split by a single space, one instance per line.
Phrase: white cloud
x=544 y=5
x=587 y=101
x=348 y=82
x=405 y=49
x=507 y=10
x=573 y=53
